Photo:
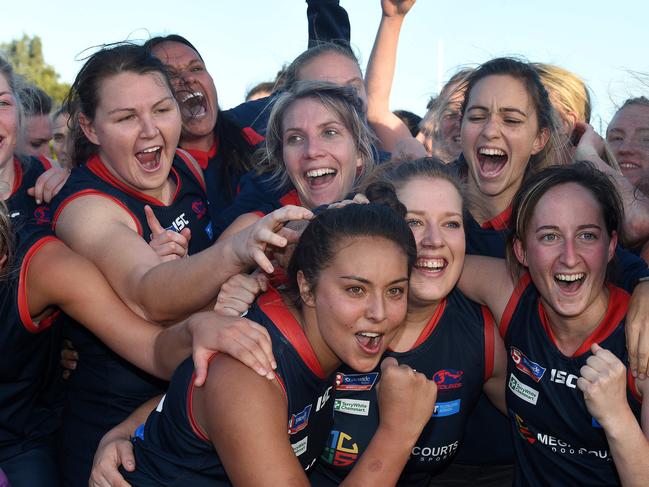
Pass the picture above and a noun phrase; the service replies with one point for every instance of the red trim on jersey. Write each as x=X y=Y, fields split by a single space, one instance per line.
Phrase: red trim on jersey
x=260 y=214
x=203 y=157
x=185 y=156
x=489 y=342
x=523 y=282
x=100 y=170
x=252 y=136
x=94 y=192
x=23 y=307
x=196 y=428
x=272 y=305
x=290 y=198
x=500 y=221
x=431 y=325
x=47 y=164
x=618 y=302
x=633 y=386
x=18 y=176
x=283 y=386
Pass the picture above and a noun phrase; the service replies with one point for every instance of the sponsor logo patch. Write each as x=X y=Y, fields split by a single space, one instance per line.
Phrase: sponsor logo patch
x=526 y=393
x=355 y=382
x=525 y=365
x=209 y=230
x=340 y=450
x=446 y=408
x=299 y=421
x=448 y=379
x=300 y=446
x=352 y=406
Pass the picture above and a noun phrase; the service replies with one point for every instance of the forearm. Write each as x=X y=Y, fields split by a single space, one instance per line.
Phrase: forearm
x=629 y=448
x=173 y=290
x=382 y=462
x=328 y=22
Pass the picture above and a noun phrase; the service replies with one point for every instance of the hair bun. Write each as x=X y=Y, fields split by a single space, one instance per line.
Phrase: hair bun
x=384 y=193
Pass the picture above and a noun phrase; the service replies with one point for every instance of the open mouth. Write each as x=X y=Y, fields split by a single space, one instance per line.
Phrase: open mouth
x=149 y=158
x=193 y=104
x=320 y=177
x=570 y=282
x=370 y=342
x=434 y=265
x=492 y=161
x=629 y=165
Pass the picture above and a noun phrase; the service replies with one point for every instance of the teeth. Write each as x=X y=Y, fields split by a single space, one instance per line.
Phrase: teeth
x=191 y=95
x=152 y=149
x=431 y=263
x=369 y=334
x=569 y=277
x=628 y=165
x=314 y=173
x=486 y=151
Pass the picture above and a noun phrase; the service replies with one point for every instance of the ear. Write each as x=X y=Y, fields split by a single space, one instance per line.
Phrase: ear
x=519 y=252
x=541 y=139
x=568 y=122
x=612 y=245
x=88 y=129
x=305 y=290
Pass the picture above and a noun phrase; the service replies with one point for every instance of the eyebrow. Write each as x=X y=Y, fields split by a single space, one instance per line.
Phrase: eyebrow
x=446 y=214
x=579 y=227
x=115 y=110
x=500 y=110
x=323 y=124
x=367 y=281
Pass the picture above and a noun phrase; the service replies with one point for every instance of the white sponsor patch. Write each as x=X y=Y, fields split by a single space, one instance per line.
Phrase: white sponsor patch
x=352 y=406
x=300 y=446
x=523 y=391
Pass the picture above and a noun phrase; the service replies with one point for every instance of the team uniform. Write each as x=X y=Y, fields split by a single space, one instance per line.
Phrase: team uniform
x=22 y=207
x=556 y=439
x=171 y=449
x=104 y=389
x=28 y=371
x=456 y=350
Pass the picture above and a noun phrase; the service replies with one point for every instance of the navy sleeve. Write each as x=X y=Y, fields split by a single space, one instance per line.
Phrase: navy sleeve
x=627 y=268
x=328 y=22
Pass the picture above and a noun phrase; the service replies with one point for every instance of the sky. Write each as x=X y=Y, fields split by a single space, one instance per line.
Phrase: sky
x=247 y=41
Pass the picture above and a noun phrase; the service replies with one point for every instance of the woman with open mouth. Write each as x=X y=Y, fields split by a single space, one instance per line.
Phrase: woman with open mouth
x=127 y=133
x=563 y=327
x=317 y=147
x=346 y=299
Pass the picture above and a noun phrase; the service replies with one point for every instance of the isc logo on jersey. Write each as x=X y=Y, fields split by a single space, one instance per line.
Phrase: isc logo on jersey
x=448 y=379
x=355 y=382
x=562 y=377
x=525 y=365
x=179 y=223
x=297 y=422
x=340 y=450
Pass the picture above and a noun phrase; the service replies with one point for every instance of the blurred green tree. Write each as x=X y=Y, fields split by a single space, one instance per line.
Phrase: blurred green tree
x=26 y=56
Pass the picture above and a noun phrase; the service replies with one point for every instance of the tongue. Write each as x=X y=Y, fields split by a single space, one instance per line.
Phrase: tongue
x=570 y=286
x=492 y=164
x=320 y=180
x=146 y=157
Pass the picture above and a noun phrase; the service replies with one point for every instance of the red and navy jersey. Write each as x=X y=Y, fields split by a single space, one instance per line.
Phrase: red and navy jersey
x=258 y=193
x=22 y=207
x=557 y=441
x=105 y=388
x=456 y=350
x=488 y=238
x=29 y=354
x=172 y=450
x=188 y=208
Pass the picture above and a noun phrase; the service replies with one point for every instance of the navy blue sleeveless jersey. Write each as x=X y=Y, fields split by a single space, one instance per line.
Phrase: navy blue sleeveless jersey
x=456 y=351
x=557 y=441
x=173 y=451
x=29 y=355
x=22 y=207
x=104 y=388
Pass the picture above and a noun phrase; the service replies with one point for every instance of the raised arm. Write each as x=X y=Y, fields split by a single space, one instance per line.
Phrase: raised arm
x=390 y=130
x=328 y=22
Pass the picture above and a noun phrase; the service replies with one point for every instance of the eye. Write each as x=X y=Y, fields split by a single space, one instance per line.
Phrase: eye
x=293 y=139
x=197 y=69
x=330 y=132
x=126 y=118
x=513 y=121
x=549 y=237
x=588 y=236
x=396 y=292
x=4 y=103
x=613 y=138
x=477 y=118
x=453 y=224
x=414 y=222
x=355 y=290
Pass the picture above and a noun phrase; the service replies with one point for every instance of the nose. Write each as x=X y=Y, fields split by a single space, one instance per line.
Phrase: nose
x=491 y=128
x=148 y=127
x=569 y=255
x=375 y=307
x=626 y=146
x=312 y=148
x=432 y=237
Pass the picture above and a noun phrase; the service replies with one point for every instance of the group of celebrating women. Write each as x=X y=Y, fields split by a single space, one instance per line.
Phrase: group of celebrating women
x=298 y=291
